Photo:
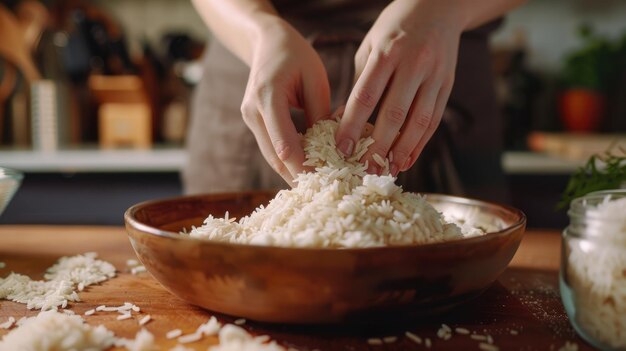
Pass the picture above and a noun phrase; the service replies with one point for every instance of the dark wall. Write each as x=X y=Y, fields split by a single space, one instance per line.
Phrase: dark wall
x=85 y=198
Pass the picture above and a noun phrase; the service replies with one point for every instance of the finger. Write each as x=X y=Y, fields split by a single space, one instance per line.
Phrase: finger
x=419 y=120
x=360 y=59
x=282 y=133
x=257 y=126
x=361 y=103
x=391 y=117
x=440 y=106
x=316 y=92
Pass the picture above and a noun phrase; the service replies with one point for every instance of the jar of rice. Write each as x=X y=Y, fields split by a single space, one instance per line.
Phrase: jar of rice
x=593 y=268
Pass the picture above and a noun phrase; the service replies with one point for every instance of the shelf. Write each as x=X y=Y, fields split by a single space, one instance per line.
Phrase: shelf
x=525 y=162
x=95 y=160
x=173 y=159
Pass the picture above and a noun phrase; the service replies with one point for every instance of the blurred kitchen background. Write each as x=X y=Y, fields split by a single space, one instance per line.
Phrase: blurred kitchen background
x=94 y=100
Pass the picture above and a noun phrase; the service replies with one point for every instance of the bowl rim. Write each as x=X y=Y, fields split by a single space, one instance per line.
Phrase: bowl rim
x=136 y=224
x=11 y=173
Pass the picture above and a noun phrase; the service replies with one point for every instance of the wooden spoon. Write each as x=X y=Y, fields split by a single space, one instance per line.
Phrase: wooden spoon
x=13 y=46
x=34 y=18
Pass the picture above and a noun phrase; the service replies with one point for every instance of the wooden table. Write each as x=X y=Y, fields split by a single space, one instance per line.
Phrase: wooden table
x=524 y=299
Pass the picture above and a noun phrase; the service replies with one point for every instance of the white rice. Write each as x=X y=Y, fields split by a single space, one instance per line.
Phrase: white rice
x=462 y=331
x=596 y=272
x=8 y=324
x=181 y=348
x=445 y=332
x=124 y=316
x=144 y=341
x=51 y=330
x=189 y=338
x=145 y=320
x=569 y=346
x=488 y=347
x=240 y=321
x=137 y=269
x=235 y=338
x=172 y=334
x=211 y=327
x=416 y=339
x=390 y=339
x=60 y=284
x=375 y=341
x=337 y=206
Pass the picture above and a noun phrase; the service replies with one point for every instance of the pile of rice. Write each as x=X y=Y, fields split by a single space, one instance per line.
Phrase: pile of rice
x=337 y=206
x=52 y=330
x=67 y=331
x=235 y=338
x=62 y=281
x=596 y=272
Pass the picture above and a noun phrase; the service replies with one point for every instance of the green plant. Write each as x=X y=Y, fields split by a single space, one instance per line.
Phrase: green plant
x=591 y=66
x=601 y=172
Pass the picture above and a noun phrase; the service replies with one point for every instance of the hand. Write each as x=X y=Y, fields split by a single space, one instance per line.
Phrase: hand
x=407 y=60
x=285 y=71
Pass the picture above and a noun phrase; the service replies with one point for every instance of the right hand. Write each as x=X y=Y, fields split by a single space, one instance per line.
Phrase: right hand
x=285 y=72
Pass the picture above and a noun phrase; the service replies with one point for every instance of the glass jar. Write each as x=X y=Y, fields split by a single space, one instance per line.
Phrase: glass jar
x=593 y=268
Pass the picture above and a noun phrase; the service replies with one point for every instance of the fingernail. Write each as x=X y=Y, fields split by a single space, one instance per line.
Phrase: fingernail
x=393 y=169
x=346 y=147
x=372 y=169
x=407 y=164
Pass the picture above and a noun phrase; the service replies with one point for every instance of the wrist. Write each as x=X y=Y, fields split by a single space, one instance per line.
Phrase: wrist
x=266 y=28
x=451 y=15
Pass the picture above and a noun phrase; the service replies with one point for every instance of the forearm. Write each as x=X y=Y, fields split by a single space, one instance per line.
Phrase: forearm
x=237 y=23
x=478 y=12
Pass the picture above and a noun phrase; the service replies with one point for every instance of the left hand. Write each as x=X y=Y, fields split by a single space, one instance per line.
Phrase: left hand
x=406 y=61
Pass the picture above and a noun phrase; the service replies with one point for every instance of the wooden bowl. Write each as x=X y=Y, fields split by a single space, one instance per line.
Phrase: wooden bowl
x=305 y=285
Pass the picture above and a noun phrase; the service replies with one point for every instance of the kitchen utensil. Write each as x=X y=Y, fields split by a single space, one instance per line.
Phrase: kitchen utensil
x=312 y=285
x=13 y=47
x=33 y=17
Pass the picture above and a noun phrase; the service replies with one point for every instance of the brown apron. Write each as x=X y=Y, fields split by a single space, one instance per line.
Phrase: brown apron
x=463 y=158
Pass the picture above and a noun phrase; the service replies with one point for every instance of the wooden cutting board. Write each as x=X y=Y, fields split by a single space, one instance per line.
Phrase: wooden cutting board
x=524 y=300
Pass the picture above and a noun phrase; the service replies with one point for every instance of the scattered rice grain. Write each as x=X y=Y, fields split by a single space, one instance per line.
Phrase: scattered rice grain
x=427 y=343
x=488 y=347
x=172 y=334
x=390 y=339
x=374 y=341
x=145 y=320
x=8 y=324
x=413 y=337
x=189 y=338
x=124 y=317
x=462 y=331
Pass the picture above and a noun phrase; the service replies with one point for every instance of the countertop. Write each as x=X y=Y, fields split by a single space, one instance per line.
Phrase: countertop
x=521 y=311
